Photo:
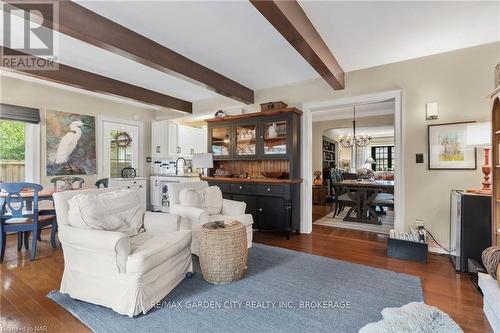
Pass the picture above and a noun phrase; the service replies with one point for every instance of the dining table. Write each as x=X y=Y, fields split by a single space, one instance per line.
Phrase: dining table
x=28 y=196
x=362 y=193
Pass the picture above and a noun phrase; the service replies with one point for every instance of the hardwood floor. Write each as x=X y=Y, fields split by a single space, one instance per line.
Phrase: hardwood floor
x=25 y=284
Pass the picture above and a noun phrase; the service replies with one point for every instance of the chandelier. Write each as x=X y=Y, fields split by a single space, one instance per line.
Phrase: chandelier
x=348 y=141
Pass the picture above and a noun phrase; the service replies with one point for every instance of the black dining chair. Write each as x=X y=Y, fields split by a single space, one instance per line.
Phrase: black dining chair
x=341 y=199
x=15 y=218
x=68 y=181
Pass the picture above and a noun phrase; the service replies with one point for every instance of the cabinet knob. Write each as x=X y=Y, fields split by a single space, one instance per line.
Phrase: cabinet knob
x=260 y=209
x=241 y=187
x=128 y=186
x=140 y=186
x=268 y=189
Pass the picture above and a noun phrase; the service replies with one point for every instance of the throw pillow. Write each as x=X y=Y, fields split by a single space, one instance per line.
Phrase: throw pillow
x=491 y=260
x=111 y=211
x=213 y=200
x=191 y=198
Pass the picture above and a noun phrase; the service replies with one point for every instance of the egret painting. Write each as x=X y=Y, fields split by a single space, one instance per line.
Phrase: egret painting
x=71 y=146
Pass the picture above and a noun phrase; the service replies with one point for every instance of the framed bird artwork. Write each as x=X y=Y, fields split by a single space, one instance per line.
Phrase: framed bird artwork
x=71 y=144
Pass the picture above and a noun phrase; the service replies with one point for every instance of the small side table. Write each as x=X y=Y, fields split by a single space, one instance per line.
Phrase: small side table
x=320 y=192
x=223 y=252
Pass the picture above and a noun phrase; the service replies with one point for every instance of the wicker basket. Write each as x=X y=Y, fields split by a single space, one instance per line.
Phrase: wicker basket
x=223 y=252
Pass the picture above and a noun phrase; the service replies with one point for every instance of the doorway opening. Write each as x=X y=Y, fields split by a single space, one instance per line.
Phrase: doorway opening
x=376 y=161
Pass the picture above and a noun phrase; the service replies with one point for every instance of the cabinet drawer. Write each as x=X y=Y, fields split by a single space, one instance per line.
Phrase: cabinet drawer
x=133 y=186
x=270 y=189
x=243 y=188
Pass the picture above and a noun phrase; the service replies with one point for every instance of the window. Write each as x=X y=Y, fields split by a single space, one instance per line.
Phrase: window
x=119 y=146
x=12 y=151
x=384 y=158
x=121 y=152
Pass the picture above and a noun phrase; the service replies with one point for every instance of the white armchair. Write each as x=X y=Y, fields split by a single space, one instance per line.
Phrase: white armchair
x=194 y=218
x=126 y=274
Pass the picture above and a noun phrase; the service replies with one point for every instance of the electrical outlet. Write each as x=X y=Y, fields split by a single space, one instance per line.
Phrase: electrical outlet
x=419 y=223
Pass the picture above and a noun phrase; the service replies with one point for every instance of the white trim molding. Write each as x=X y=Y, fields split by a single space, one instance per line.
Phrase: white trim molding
x=32 y=153
x=307 y=165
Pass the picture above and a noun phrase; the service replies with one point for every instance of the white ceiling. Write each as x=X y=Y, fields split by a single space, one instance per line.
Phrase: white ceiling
x=234 y=39
x=364 y=34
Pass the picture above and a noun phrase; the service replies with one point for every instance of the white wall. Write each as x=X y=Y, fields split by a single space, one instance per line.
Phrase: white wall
x=459 y=80
x=46 y=97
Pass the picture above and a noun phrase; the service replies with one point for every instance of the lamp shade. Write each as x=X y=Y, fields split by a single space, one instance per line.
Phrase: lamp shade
x=479 y=134
x=370 y=160
x=203 y=160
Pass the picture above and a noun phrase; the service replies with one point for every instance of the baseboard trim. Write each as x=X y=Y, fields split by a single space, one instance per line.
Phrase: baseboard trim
x=437 y=250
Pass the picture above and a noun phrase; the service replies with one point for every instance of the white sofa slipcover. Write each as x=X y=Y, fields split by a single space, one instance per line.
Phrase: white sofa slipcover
x=193 y=218
x=126 y=274
x=491 y=300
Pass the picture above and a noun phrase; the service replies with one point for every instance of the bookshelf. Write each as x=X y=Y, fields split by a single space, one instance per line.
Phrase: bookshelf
x=329 y=152
x=495 y=121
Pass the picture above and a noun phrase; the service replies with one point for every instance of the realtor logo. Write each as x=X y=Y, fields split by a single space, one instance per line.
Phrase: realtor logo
x=29 y=34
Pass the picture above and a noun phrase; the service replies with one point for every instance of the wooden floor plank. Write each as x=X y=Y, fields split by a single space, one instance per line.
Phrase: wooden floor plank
x=25 y=283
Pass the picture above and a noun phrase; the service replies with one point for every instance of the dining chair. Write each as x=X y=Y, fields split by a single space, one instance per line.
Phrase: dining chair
x=15 y=218
x=68 y=181
x=103 y=181
x=341 y=198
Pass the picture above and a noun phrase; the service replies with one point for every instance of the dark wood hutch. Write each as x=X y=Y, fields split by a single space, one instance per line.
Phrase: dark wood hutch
x=260 y=156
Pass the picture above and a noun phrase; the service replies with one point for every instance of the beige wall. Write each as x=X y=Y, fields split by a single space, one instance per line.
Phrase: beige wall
x=460 y=81
x=45 y=97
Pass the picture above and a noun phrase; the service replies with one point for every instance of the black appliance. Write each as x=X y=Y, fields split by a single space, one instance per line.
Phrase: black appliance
x=470 y=228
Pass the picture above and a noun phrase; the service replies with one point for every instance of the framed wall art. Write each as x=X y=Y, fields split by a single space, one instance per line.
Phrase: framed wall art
x=448 y=149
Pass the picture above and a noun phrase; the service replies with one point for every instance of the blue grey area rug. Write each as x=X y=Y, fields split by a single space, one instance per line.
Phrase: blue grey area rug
x=283 y=291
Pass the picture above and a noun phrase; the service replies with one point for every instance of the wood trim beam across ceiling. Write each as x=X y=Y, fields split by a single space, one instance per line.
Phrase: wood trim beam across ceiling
x=293 y=24
x=83 y=24
x=94 y=82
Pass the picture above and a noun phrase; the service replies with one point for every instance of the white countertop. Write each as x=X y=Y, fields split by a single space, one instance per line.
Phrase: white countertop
x=181 y=175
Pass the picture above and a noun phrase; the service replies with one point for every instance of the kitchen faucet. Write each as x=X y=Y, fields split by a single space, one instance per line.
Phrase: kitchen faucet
x=177 y=165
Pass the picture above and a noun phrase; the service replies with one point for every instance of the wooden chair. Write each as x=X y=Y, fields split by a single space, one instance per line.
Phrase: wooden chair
x=341 y=198
x=14 y=217
x=69 y=181
x=103 y=181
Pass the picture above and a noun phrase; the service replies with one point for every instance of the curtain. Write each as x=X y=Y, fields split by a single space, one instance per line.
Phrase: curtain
x=19 y=113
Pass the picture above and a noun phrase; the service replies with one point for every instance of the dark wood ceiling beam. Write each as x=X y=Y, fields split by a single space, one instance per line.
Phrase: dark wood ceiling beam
x=293 y=24
x=83 y=24
x=97 y=83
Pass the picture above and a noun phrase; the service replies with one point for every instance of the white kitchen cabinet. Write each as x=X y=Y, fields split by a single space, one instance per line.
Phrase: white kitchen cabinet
x=164 y=139
x=192 y=140
x=170 y=140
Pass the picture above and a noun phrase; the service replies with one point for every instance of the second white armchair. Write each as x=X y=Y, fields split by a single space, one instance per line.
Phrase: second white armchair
x=192 y=218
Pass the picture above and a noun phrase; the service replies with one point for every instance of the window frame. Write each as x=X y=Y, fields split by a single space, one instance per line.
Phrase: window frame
x=390 y=156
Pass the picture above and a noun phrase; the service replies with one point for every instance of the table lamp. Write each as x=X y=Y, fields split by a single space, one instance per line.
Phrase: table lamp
x=203 y=161
x=370 y=161
x=479 y=136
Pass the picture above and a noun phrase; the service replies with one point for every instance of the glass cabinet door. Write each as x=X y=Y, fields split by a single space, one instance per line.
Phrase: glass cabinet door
x=245 y=137
x=221 y=140
x=275 y=137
